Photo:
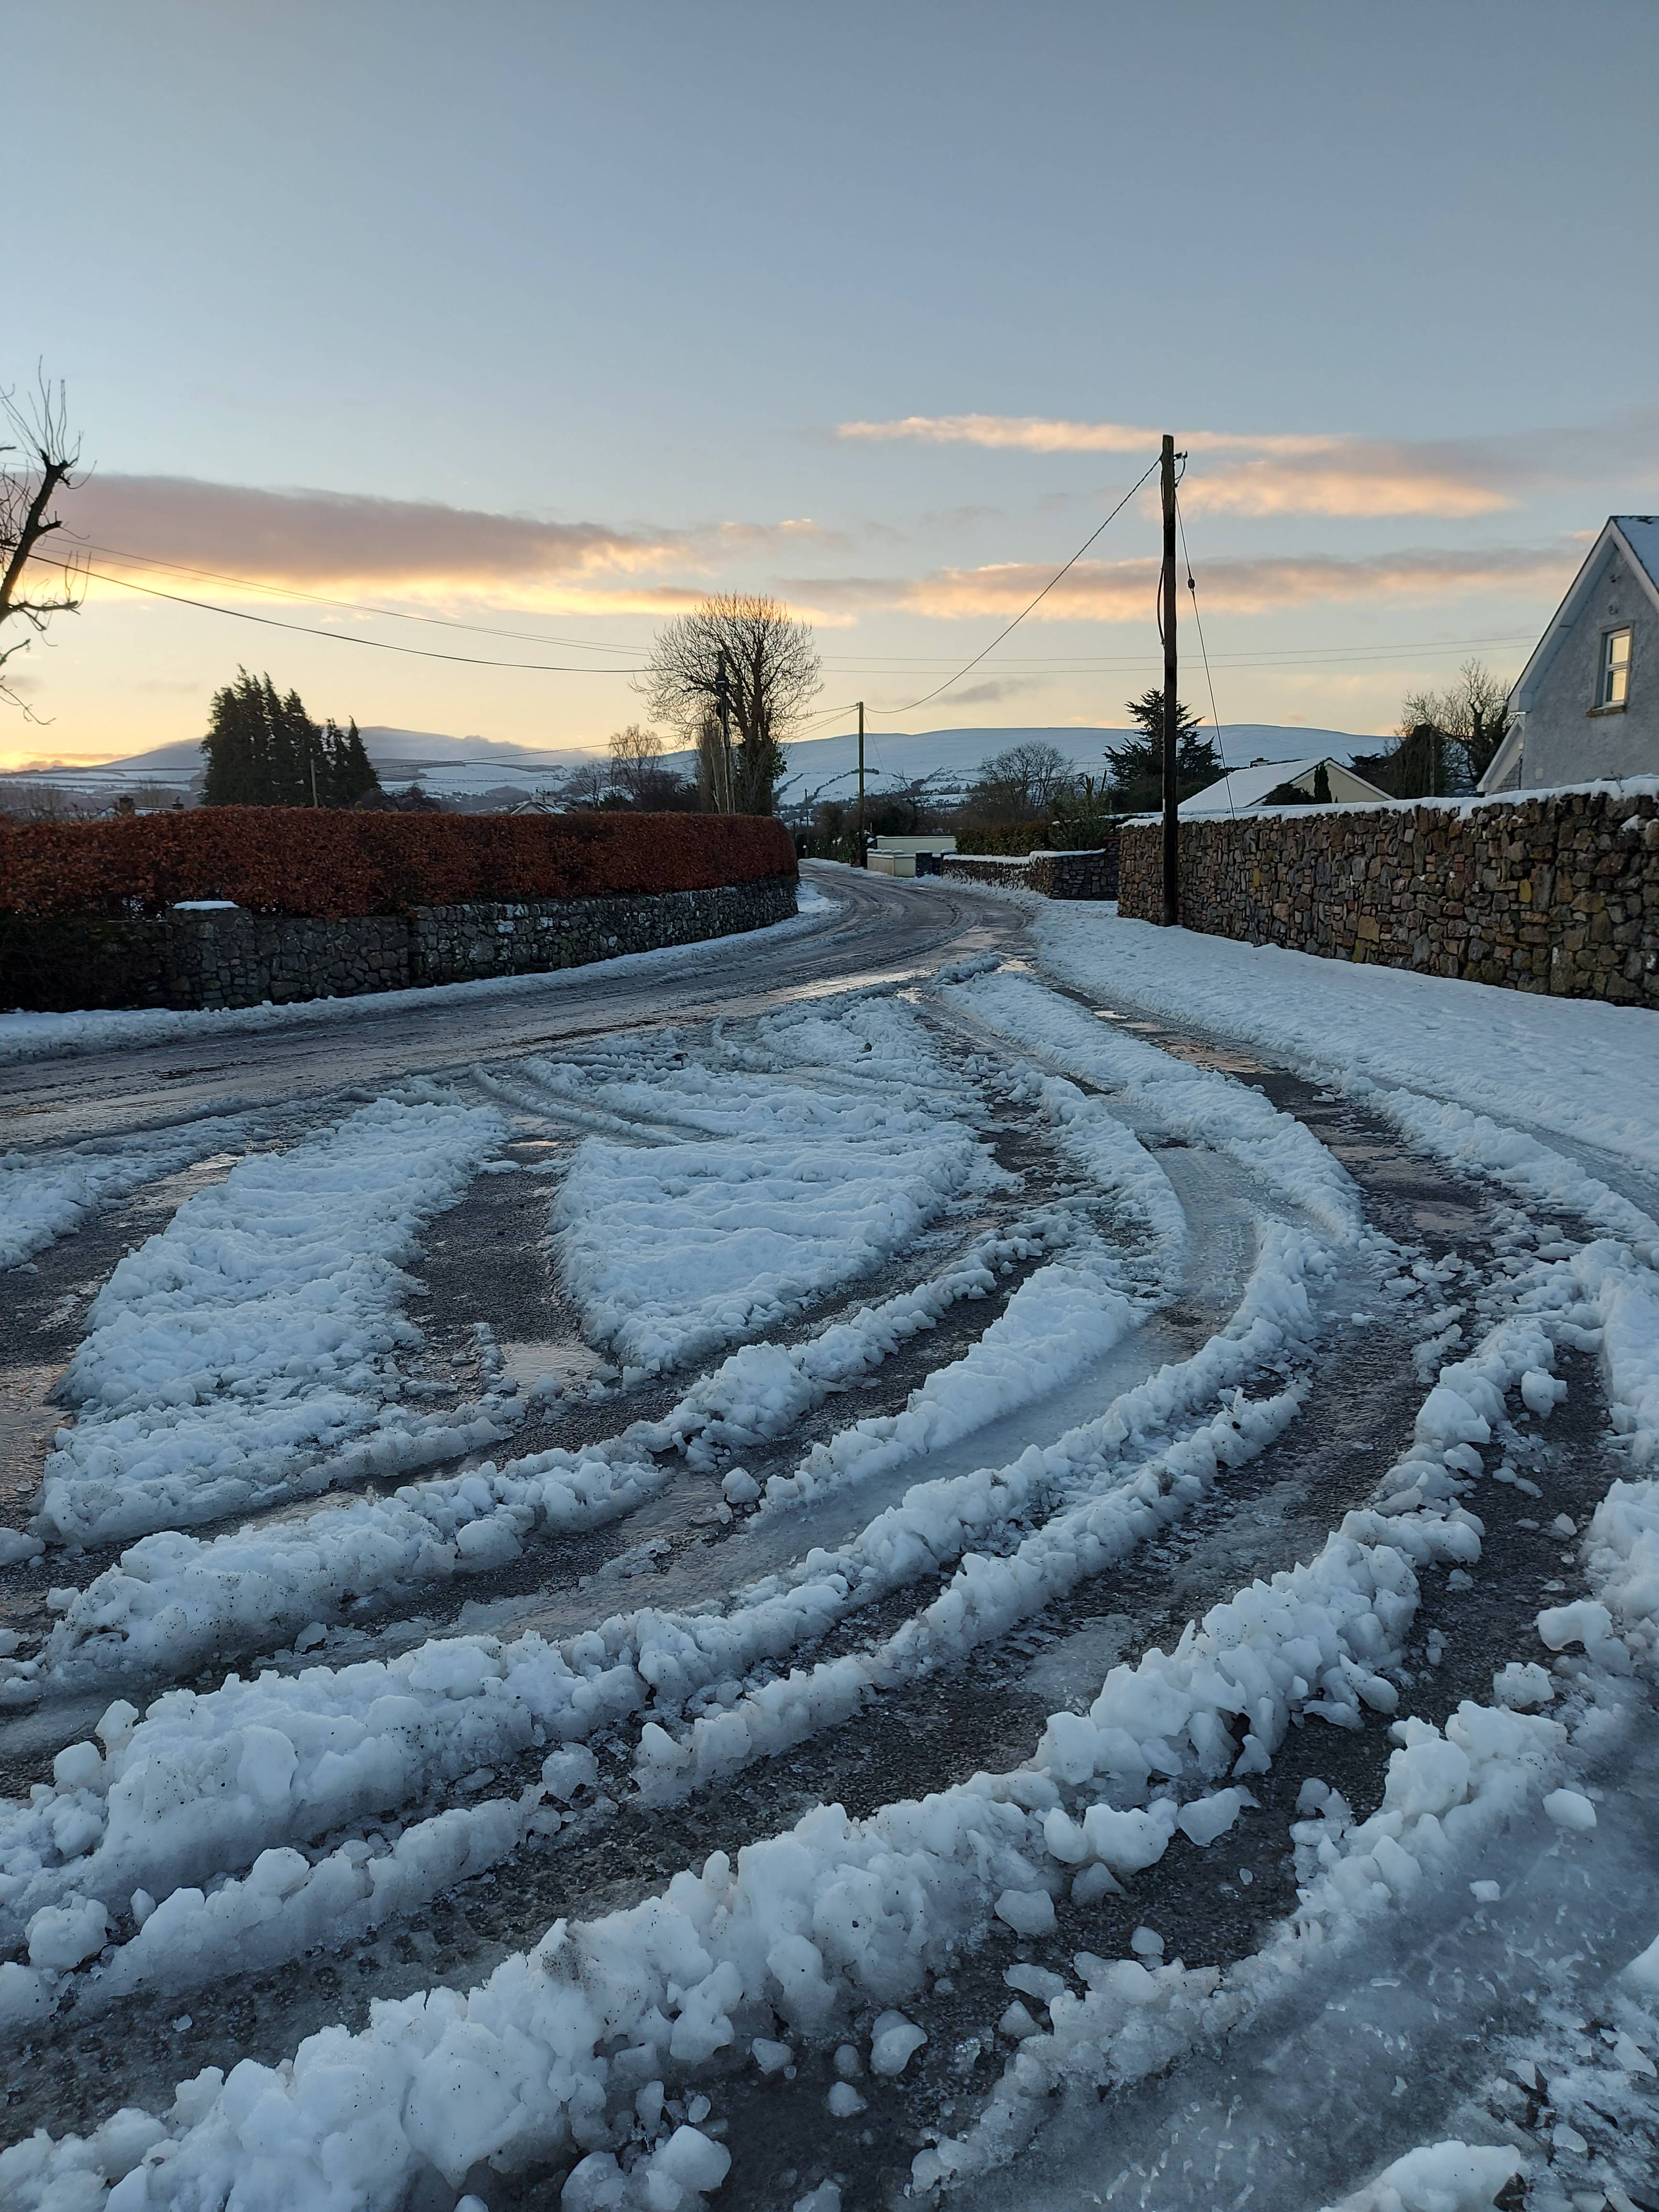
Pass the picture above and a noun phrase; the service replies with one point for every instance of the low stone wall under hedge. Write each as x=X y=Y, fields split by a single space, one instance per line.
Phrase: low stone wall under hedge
x=230 y=958
x=1055 y=875
x=1557 y=893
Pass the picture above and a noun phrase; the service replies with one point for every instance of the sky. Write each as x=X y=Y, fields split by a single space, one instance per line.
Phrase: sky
x=377 y=319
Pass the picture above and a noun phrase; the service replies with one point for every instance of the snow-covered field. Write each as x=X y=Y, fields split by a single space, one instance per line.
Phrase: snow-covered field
x=1041 y=1589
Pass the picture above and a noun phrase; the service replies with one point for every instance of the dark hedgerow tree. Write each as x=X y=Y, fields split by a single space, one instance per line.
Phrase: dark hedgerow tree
x=263 y=749
x=351 y=772
x=1135 y=766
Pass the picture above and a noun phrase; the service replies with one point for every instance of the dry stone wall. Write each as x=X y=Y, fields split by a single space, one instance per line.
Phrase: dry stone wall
x=1557 y=893
x=1055 y=875
x=230 y=957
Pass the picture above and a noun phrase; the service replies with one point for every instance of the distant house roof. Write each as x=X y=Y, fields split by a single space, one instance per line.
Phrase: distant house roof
x=1638 y=536
x=1641 y=533
x=1248 y=787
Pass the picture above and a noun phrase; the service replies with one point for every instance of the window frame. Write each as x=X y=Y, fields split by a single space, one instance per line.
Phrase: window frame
x=1605 y=669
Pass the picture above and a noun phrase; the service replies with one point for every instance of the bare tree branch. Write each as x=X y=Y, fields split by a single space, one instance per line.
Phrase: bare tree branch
x=45 y=461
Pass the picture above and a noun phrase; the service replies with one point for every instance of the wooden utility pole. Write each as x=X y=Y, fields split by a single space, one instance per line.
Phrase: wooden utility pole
x=864 y=858
x=1171 y=710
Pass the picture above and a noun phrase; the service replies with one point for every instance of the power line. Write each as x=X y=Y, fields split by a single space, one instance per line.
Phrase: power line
x=1198 y=623
x=1025 y=611
x=354 y=606
x=336 y=636
x=1081 y=663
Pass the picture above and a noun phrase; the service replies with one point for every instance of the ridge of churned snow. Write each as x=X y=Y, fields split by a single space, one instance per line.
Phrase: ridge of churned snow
x=788 y=1188
x=259 y=1326
x=44 y=1195
x=838 y=1911
x=1196 y=1103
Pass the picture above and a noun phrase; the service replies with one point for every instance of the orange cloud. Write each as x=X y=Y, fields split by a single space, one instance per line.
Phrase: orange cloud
x=1037 y=434
x=1356 y=479
x=1125 y=591
x=323 y=539
x=1275 y=473
x=348 y=541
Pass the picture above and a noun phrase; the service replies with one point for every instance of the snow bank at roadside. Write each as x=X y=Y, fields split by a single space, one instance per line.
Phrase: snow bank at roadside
x=258 y=1330
x=1580 y=1068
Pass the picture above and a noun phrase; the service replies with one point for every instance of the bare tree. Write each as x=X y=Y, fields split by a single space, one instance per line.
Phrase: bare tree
x=634 y=755
x=1473 y=712
x=39 y=462
x=1023 y=784
x=750 y=656
x=590 y=783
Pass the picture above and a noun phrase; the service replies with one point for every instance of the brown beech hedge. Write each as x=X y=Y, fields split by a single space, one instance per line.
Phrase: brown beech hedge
x=280 y=859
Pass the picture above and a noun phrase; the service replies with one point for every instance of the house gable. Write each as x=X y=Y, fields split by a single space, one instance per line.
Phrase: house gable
x=1558 y=732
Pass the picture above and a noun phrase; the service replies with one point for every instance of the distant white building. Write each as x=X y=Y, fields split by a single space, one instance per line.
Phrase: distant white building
x=1586 y=704
x=1247 y=789
x=909 y=856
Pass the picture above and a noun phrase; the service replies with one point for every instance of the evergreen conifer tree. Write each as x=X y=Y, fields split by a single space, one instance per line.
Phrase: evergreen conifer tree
x=352 y=772
x=236 y=721
x=263 y=749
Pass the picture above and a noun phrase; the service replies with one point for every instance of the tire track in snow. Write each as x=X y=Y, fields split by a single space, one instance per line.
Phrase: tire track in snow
x=492 y=2193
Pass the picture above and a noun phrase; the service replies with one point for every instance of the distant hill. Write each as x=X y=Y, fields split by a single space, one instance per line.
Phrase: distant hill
x=445 y=764
x=952 y=757
x=471 y=767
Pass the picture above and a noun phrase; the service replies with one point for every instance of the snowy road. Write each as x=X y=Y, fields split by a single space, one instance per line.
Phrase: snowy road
x=962 y=1549
x=215 y=1063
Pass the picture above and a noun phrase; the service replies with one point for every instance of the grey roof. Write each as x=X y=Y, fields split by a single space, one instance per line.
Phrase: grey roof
x=1641 y=533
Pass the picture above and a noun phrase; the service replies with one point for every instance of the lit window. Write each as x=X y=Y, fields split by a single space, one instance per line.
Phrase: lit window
x=1615 y=687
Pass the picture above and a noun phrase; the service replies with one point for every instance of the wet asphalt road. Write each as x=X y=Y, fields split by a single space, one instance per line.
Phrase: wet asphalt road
x=880 y=932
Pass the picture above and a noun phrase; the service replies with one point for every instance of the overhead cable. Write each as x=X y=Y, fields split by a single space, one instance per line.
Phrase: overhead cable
x=1025 y=610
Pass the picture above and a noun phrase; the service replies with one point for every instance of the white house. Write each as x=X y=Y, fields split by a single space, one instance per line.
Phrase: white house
x=1247 y=789
x=1586 y=704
